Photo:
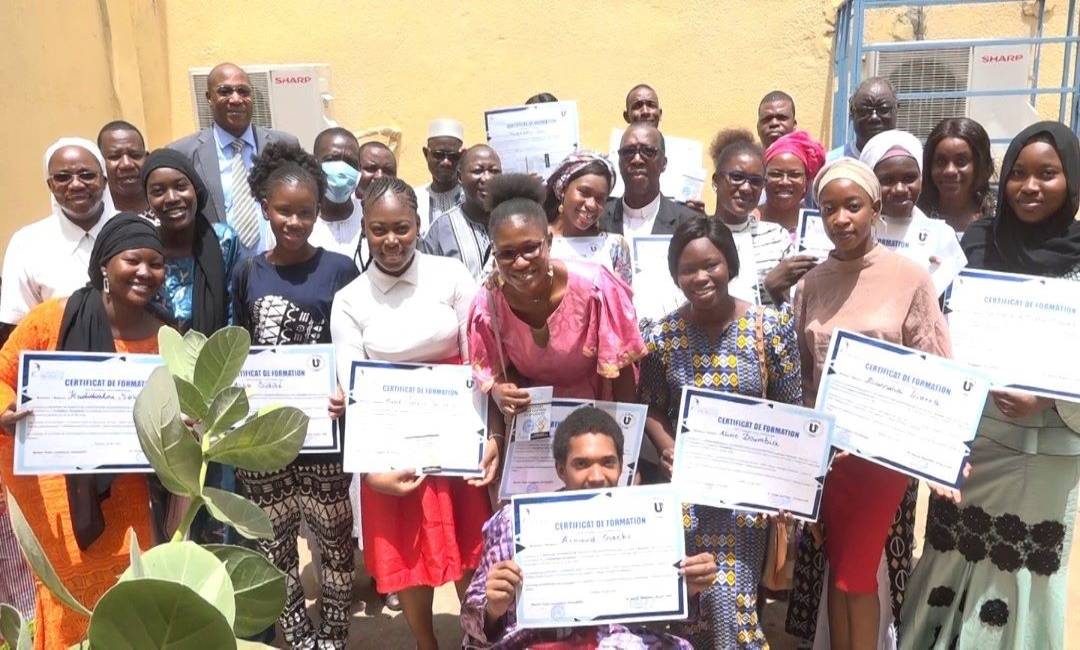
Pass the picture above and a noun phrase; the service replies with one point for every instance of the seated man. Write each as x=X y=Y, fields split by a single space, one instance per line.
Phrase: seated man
x=588 y=451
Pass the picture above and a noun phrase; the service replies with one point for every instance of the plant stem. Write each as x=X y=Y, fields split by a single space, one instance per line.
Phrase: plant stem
x=189 y=516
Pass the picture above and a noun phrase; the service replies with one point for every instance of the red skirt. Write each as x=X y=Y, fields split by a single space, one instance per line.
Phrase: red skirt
x=429 y=537
x=858 y=507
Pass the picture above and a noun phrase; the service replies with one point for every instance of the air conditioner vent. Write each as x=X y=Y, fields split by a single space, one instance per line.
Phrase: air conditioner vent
x=927 y=71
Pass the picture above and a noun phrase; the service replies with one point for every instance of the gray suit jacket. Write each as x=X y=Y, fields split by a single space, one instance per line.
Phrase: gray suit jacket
x=202 y=149
x=668 y=217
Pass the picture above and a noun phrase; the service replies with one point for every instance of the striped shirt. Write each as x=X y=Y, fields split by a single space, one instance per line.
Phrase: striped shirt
x=770 y=243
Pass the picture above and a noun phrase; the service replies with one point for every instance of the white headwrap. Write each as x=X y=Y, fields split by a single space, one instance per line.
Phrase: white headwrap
x=849 y=169
x=82 y=143
x=896 y=141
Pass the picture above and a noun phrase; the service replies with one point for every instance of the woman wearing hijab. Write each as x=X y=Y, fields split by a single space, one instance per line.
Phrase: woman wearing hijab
x=199 y=259
x=896 y=158
x=576 y=194
x=866 y=288
x=993 y=570
x=47 y=259
x=791 y=163
x=82 y=528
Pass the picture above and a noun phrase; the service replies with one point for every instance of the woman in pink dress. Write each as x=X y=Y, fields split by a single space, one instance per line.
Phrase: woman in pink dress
x=545 y=322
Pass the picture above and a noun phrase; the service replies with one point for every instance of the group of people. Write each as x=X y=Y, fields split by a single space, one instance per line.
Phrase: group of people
x=237 y=224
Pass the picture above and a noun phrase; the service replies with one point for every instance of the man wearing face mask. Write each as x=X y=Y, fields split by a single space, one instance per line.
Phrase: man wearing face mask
x=339 y=225
x=442 y=153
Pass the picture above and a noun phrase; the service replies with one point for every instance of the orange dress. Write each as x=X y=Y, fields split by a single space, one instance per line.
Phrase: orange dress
x=43 y=499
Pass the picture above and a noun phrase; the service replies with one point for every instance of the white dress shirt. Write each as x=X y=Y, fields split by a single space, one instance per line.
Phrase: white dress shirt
x=420 y=316
x=224 y=142
x=639 y=221
x=340 y=236
x=46 y=259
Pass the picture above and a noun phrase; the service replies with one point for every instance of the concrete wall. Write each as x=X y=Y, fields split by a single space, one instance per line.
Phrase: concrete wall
x=75 y=64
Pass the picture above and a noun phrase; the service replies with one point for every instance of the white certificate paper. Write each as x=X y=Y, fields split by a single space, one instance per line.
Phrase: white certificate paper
x=592 y=557
x=811 y=237
x=530 y=464
x=655 y=292
x=590 y=249
x=429 y=417
x=82 y=421
x=682 y=179
x=901 y=408
x=747 y=453
x=533 y=138
x=301 y=376
x=1018 y=329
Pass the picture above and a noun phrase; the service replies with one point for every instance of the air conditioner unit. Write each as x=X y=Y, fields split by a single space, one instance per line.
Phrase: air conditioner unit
x=961 y=69
x=294 y=98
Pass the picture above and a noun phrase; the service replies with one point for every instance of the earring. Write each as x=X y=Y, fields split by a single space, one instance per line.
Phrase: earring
x=104 y=282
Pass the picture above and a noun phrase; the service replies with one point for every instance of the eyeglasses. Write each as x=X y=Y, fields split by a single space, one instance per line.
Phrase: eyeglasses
x=780 y=175
x=452 y=156
x=528 y=252
x=866 y=110
x=647 y=152
x=227 y=91
x=737 y=179
x=85 y=176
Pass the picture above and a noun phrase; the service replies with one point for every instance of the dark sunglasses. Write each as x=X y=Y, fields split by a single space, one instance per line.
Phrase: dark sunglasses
x=227 y=91
x=738 y=178
x=452 y=156
x=647 y=152
x=86 y=176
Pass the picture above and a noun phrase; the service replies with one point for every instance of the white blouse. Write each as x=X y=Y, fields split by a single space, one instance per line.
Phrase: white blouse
x=419 y=317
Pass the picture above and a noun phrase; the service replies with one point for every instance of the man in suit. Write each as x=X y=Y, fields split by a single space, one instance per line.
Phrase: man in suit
x=224 y=152
x=642 y=210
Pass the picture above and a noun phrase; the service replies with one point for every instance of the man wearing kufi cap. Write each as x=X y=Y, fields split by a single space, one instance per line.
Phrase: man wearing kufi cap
x=443 y=151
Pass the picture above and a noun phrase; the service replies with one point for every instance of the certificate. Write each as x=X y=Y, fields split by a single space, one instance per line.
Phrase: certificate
x=901 y=408
x=301 y=376
x=599 y=556
x=590 y=249
x=530 y=464
x=682 y=179
x=429 y=417
x=811 y=238
x=1018 y=329
x=534 y=138
x=747 y=453
x=82 y=403
x=655 y=293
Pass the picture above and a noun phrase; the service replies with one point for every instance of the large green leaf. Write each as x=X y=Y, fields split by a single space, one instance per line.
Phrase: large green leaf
x=135 y=556
x=178 y=353
x=229 y=407
x=168 y=444
x=221 y=359
x=265 y=443
x=259 y=588
x=247 y=518
x=192 y=402
x=39 y=562
x=189 y=564
x=153 y=613
x=16 y=632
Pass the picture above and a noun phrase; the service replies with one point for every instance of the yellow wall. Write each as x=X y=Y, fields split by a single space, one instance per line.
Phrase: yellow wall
x=75 y=64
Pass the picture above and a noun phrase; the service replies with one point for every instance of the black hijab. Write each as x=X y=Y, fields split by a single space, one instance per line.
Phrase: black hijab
x=1049 y=248
x=85 y=328
x=209 y=297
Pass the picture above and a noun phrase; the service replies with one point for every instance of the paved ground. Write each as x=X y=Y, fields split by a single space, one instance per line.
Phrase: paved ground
x=376 y=627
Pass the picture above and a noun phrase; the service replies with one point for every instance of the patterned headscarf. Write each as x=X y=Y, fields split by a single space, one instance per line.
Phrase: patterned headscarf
x=574 y=163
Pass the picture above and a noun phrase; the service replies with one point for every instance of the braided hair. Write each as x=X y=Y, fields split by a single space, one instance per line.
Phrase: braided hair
x=281 y=162
x=379 y=189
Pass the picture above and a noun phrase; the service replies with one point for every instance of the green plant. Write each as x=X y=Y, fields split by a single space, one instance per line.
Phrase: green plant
x=181 y=595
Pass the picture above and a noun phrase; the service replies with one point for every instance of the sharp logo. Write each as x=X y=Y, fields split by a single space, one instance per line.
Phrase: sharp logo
x=1002 y=58
x=292 y=80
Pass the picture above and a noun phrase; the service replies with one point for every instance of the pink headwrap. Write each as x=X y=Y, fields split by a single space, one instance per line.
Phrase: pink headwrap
x=803 y=147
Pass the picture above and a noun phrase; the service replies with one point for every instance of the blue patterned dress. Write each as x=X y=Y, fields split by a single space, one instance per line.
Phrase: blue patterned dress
x=175 y=293
x=682 y=354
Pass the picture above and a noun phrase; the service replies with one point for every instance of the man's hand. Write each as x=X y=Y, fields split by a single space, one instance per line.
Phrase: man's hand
x=503 y=581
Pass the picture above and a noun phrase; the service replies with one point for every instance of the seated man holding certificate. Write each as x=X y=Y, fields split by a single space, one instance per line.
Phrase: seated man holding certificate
x=588 y=451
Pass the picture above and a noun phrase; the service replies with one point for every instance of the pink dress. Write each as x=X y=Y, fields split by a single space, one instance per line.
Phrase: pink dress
x=592 y=336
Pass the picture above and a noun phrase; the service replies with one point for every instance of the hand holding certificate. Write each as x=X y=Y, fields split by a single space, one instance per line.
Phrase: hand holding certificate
x=747 y=453
x=431 y=418
x=901 y=408
x=599 y=556
x=1016 y=328
x=530 y=466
